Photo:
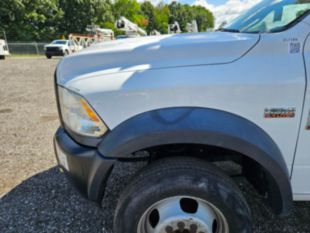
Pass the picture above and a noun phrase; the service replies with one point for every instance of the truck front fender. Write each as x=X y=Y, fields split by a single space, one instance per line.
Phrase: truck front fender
x=204 y=126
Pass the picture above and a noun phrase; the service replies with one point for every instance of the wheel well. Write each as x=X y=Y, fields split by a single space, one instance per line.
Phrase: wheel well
x=240 y=165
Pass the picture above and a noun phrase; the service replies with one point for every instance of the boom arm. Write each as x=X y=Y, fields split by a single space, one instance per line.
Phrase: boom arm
x=129 y=27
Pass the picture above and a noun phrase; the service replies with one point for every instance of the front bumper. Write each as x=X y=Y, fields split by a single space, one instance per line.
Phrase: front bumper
x=54 y=53
x=85 y=167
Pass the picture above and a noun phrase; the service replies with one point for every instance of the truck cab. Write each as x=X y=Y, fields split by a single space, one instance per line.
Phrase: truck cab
x=60 y=48
x=184 y=103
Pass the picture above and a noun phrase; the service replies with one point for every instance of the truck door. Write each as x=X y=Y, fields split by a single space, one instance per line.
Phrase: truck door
x=301 y=169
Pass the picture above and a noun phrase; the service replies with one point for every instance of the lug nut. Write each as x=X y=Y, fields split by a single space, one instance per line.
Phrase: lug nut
x=181 y=226
x=193 y=228
x=169 y=229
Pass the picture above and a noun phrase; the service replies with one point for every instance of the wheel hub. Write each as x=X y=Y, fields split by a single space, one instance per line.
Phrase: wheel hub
x=184 y=226
x=182 y=215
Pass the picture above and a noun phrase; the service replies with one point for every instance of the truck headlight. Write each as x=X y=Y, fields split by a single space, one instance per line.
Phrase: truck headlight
x=78 y=115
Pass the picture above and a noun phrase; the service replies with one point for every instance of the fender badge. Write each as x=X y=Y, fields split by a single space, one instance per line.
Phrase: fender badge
x=280 y=112
x=294 y=47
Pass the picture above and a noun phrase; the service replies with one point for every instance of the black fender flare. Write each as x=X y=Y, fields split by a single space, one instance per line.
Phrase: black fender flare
x=208 y=127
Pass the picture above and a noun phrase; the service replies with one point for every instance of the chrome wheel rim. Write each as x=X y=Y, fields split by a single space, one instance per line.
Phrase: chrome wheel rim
x=183 y=214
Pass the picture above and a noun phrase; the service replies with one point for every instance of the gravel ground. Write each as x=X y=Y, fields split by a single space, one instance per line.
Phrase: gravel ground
x=37 y=197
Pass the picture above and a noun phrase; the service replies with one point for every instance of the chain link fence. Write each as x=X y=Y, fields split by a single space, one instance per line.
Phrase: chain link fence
x=22 y=47
x=35 y=48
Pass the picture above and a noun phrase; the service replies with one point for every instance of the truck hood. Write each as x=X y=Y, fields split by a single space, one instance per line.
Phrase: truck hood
x=155 y=52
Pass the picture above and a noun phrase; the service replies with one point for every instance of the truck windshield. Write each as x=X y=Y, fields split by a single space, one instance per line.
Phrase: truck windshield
x=59 y=42
x=269 y=16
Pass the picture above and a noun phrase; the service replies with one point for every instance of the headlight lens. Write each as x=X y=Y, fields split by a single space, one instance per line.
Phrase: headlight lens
x=78 y=115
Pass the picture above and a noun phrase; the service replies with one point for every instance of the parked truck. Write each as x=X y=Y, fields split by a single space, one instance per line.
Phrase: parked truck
x=131 y=29
x=185 y=103
x=4 y=49
x=61 y=48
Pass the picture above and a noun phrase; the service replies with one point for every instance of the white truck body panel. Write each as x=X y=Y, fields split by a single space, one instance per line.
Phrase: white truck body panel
x=239 y=73
x=156 y=52
x=3 y=51
x=301 y=172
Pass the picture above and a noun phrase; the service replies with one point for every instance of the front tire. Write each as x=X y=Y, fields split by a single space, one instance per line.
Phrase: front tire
x=182 y=195
x=2 y=57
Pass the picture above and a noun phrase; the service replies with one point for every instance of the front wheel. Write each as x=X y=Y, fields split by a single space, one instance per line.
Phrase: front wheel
x=2 y=57
x=182 y=195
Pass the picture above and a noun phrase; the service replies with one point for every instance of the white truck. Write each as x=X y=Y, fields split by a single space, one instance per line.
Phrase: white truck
x=174 y=28
x=61 y=48
x=131 y=29
x=186 y=103
x=4 y=50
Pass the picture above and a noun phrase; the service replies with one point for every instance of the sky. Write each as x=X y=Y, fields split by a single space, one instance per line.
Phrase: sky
x=223 y=10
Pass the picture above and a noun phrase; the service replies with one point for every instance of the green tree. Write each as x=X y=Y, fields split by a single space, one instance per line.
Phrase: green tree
x=101 y=11
x=11 y=15
x=161 y=18
x=129 y=9
x=41 y=19
x=30 y=19
x=148 y=11
x=203 y=17
x=44 y=20
x=80 y=13
x=179 y=13
x=185 y=14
